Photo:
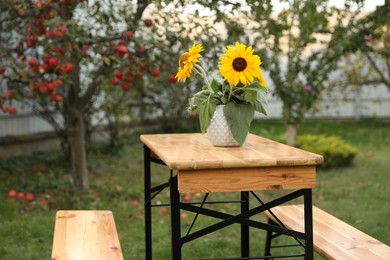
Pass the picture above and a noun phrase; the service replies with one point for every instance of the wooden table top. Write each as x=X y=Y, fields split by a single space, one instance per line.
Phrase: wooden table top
x=195 y=152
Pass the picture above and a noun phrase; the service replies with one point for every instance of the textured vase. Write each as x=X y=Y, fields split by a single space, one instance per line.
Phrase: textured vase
x=219 y=132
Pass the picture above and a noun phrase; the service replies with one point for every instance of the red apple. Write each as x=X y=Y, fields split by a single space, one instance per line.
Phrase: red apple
x=118 y=74
x=126 y=87
x=44 y=202
x=50 y=85
x=129 y=34
x=49 y=34
x=59 y=98
x=148 y=22
x=66 y=68
x=115 y=81
x=135 y=203
x=32 y=62
x=12 y=110
x=30 y=197
x=12 y=193
x=59 y=82
x=187 y=198
x=84 y=49
x=184 y=216
x=20 y=195
x=58 y=34
x=10 y=93
x=172 y=79
x=69 y=67
x=163 y=211
x=121 y=50
x=155 y=73
x=53 y=63
x=43 y=89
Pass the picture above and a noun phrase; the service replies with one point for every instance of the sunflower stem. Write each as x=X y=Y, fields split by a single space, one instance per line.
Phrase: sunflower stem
x=201 y=71
x=230 y=93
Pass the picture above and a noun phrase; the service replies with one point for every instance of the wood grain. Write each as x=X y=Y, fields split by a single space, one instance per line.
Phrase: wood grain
x=194 y=152
x=81 y=235
x=333 y=238
x=247 y=179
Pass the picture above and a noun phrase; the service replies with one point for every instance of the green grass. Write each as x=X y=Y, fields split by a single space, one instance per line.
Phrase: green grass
x=358 y=195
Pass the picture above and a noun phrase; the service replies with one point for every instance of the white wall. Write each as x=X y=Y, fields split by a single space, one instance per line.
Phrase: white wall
x=374 y=102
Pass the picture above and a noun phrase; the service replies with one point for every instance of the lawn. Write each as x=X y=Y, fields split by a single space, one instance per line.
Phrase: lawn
x=358 y=194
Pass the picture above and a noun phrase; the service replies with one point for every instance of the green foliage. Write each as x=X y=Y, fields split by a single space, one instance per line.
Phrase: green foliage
x=117 y=185
x=362 y=40
x=298 y=73
x=333 y=145
x=335 y=151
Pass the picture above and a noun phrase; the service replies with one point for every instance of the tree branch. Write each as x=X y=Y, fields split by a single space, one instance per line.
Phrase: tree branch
x=373 y=64
x=141 y=6
x=93 y=87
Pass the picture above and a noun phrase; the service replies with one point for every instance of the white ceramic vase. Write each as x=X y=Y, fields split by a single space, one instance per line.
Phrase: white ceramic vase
x=219 y=132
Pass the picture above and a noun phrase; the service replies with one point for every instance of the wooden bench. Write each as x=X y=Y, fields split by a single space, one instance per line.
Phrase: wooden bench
x=85 y=235
x=333 y=238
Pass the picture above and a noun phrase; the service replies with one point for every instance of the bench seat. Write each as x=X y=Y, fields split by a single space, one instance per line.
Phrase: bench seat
x=333 y=238
x=85 y=235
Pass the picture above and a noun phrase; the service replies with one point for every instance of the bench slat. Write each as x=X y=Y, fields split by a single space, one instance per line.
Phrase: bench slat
x=85 y=234
x=333 y=238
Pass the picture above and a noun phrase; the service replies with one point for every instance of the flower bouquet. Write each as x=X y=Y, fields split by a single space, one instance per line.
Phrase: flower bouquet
x=239 y=87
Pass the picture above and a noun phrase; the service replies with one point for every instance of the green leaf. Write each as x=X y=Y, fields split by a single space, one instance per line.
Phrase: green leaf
x=260 y=103
x=250 y=95
x=107 y=61
x=255 y=84
x=207 y=109
x=214 y=85
x=239 y=118
x=260 y=106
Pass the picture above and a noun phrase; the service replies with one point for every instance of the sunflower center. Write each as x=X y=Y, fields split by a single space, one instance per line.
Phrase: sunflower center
x=183 y=58
x=239 y=64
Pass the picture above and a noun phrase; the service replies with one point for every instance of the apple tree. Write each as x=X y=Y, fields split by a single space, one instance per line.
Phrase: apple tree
x=363 y=42
x=75 y=62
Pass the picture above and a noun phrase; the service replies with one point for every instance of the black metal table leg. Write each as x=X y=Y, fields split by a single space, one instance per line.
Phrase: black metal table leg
x=175 y=220
x=308 y=224
x=268 y=241
x=244 y=228
x=147 y=204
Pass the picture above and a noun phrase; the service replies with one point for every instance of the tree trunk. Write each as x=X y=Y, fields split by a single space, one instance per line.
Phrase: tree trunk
x=291 y=134
x=357 y=104
x=77 y=148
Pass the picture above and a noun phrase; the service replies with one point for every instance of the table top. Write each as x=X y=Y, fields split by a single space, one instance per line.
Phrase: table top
x=195 y=152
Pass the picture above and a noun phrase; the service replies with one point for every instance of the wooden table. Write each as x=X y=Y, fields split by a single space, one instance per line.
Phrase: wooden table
x=197 y=166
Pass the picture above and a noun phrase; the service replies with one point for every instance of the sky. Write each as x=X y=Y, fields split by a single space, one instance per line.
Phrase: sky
x=369 y=5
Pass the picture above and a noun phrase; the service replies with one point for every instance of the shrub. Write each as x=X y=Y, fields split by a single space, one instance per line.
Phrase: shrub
x=336 y=152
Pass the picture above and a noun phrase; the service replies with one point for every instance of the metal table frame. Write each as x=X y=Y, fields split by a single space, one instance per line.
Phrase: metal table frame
x=226 y=219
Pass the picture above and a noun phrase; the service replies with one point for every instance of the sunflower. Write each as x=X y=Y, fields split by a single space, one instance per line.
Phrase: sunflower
x=187 y=60
x=240 y=65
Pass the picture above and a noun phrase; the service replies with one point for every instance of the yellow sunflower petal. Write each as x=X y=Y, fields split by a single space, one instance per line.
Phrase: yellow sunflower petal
x=187 y=60
x=240 y=65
